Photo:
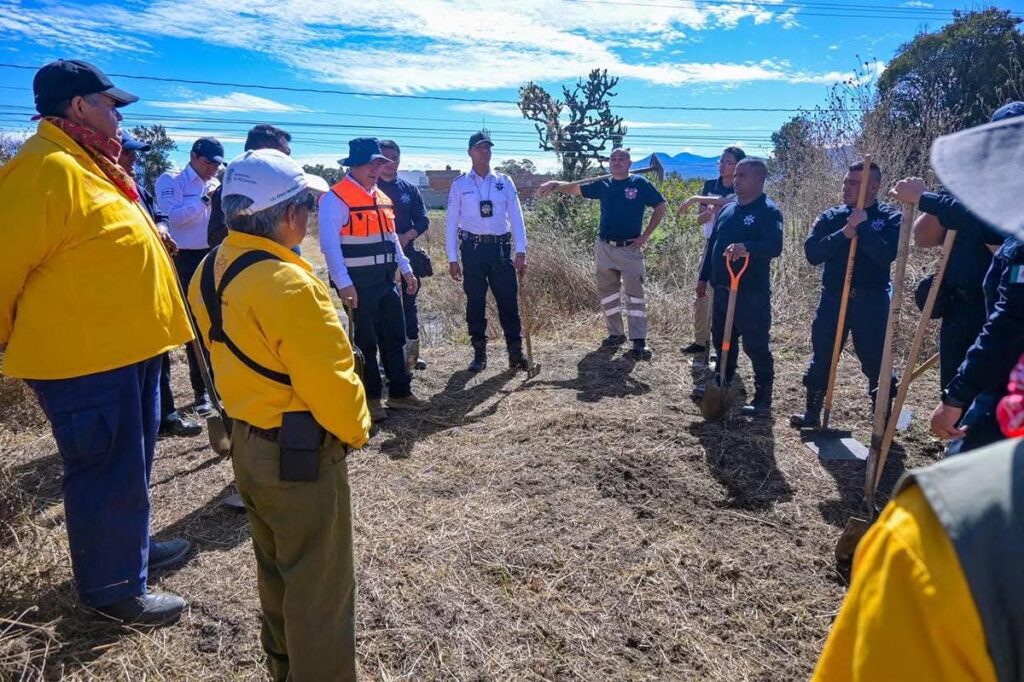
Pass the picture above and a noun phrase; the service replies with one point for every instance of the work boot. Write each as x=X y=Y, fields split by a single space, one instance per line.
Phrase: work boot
x=811 y=418
x=613 y=340
x=412 y=354
x=152 y=609
x=640 y=350
x=167 y=554
x=694 y=349
x=516 y=359
x=409 y=402
x=203 y=406
x=377 y=411
x=479 y=362
x=761 y=406
x=176 y=425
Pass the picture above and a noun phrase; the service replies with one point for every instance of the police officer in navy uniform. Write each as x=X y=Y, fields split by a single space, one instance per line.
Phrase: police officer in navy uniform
x=877 y=228
x=411 y=221
x=962 y=297
x=981 y=380
x=750 y=226
x=485 y=225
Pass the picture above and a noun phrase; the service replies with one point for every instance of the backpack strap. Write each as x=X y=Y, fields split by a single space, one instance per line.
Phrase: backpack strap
x=212 y=298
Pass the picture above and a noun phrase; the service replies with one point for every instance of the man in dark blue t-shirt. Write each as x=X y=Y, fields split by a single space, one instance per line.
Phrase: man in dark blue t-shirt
x=621 y=238
x=750 y=226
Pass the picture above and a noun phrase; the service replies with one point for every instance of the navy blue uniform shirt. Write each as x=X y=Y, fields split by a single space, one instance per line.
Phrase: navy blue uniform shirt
x=410 y=212
x=622 y=205
x=877 y=241
x=715 y=188
x=758 y=226
x=154 y=211
x=990 y=360
x=970 y=259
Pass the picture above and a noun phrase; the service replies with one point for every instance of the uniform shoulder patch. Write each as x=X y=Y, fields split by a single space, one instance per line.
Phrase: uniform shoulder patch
x=1016 y=274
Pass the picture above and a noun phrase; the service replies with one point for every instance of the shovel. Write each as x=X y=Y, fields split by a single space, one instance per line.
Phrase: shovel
x=841 y=445
x=855 y=528
x=719 y=396
x=218 y=426
x=533 y=368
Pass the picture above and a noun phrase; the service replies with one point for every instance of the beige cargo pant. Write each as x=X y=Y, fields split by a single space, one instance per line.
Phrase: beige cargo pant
x=621 y=269
x=702 y=318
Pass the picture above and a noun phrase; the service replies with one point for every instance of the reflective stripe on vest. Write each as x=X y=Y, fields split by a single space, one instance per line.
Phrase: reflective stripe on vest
x=365 y=241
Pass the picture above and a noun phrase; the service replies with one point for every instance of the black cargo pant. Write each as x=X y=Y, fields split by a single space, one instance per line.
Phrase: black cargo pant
x=380 y=323
x=962 y=321
x=752 y=325
x=186 y=262
x=490 y=266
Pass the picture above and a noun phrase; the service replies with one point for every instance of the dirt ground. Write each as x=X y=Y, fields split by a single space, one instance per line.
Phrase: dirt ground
x=584 y=525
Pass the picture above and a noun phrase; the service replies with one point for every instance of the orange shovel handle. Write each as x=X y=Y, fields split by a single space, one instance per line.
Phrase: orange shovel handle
x=734 y=285
x=734 y=277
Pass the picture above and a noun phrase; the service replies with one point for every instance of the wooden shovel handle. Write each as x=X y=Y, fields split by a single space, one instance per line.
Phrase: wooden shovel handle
x=837 y=345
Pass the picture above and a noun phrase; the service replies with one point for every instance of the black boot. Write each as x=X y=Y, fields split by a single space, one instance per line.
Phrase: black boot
x=811 y=418
x=761 y=406
x=640 y=350
x=516 y=359
x=479 y=362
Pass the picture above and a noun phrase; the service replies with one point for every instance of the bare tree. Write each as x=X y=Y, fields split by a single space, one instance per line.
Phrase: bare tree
x=586 y=133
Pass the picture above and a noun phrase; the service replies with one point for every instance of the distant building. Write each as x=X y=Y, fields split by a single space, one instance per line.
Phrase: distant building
x=439 y=182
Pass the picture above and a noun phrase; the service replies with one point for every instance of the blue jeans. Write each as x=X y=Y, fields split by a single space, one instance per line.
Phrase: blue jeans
x=105 y=426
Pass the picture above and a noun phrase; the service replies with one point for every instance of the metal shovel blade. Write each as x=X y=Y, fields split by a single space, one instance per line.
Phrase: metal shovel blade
x=217 y=430
x=717 y=400
x=846 y=546
x=832 y=446
x=533 y=370
x=903 y=423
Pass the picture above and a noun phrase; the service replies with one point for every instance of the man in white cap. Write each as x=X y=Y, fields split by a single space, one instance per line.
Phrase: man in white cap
x=287 y=377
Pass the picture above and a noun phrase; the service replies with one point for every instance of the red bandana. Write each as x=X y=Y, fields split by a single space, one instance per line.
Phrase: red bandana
x=1010 y=411
x=103 y=150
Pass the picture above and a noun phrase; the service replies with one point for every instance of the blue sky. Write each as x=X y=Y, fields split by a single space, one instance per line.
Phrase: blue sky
x=689 y=53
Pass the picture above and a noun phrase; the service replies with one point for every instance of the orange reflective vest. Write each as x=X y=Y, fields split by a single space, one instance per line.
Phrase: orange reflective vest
x=366 y=246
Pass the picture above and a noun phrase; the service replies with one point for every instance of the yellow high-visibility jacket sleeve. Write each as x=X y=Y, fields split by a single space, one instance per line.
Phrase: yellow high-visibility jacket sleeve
x=909 y=613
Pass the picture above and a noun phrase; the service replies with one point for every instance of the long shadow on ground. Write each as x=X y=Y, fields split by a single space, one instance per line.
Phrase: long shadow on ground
x=449 y=409
x=741 y=456
x=849 y=476
x=600 y=375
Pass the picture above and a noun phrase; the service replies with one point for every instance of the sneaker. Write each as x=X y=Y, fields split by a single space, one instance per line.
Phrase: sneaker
x=409 y=402
x=613 y=340
x=203 y=406
x=151 y=609
x=377 y=411
x=694 y=349
x=178 y=426
x=167 y=554
x=420 y=364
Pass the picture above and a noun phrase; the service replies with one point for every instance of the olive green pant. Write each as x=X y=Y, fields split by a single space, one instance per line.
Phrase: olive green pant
x=302 y=536
x=702 y=318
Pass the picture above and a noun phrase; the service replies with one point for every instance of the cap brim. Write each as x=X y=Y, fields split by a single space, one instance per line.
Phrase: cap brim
x=120 y=96
x=315 y=183
x=477 y=144
x=981 y=167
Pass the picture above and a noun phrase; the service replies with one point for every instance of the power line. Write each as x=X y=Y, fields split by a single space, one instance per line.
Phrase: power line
x=355 y=93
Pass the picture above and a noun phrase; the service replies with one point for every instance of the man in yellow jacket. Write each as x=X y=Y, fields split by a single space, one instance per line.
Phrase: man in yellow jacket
x=88 y=304
x=286 y=374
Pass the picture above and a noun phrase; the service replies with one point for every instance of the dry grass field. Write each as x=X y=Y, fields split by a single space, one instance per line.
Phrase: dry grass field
x=585 y=525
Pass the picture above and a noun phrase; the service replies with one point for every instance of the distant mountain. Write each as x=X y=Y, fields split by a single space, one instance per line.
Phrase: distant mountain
x=684 y=165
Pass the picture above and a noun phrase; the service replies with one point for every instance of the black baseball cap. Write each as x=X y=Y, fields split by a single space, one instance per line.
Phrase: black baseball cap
x=67 y=78
x=480 y=137
x=361 y=151
x=209 y=148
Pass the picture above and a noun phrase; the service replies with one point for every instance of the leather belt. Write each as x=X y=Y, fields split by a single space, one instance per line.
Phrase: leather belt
x=485 y=238
x=618 y=242
x=265 y=434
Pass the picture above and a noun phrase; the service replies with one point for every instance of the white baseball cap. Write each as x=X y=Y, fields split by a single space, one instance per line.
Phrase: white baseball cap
x=268 y=177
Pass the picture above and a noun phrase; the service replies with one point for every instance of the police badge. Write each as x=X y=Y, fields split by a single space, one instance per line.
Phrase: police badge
x=486 y=208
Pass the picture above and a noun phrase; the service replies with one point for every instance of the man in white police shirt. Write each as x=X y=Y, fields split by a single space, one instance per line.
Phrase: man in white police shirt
x=185 y=197
x=485 y=223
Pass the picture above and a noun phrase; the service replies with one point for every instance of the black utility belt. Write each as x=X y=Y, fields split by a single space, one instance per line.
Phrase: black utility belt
x=619 y=242
x=485 y=238
x=300 y=438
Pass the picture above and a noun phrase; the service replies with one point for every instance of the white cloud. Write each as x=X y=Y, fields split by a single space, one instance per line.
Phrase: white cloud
x=235 y=101
x=488 y=108
x=917 y=3
x=833 y=47
x=429 y=45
